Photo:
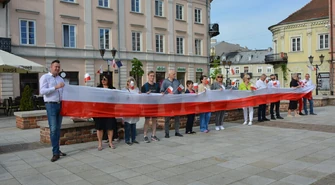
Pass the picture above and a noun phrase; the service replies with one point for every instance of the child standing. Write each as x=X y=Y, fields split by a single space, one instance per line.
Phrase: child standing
x=190 y=117
x=130 y=122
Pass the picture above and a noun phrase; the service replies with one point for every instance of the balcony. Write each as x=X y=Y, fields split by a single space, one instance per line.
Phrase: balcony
x=5 y=44
x=277 y=58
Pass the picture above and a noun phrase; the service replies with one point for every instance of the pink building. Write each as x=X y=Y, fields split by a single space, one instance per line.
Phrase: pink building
x=163 y=34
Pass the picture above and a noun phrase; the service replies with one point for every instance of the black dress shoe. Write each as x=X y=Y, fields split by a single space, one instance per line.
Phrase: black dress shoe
x=167 y=135
x=266 y=119
x=54 y=158
x=178 y=134
x=62 y=154
x=279 y=117
x=301 y=114
x=272 y=117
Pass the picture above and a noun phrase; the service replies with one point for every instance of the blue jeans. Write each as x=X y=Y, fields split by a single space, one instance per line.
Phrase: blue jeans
x=129 y=129
x=204 y=121
x=55 y=122
x=311 y=105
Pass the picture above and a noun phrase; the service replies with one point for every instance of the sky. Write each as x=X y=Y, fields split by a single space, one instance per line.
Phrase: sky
x=246 y=22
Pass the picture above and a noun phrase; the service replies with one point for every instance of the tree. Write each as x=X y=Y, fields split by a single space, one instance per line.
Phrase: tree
x=215 y=67
x=136 y=70
x=26 y=102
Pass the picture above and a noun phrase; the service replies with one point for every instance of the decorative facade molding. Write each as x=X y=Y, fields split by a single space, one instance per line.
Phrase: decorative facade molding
x=69 y=17
x=105 y=21
x=27 y=11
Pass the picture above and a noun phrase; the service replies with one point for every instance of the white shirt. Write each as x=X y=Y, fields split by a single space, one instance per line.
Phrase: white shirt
x=307 y=82
x=270 y=84
x=131 y=120
x=48 y=90
x=260 y=84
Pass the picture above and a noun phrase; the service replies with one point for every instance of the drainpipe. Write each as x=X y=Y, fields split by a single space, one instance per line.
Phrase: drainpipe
x=119 y=39
x=331 y=47
x=208 y=38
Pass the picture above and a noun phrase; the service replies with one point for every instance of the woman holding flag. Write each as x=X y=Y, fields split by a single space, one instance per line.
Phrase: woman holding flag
x=204 y=117
x=219 y=115
x=245 y=86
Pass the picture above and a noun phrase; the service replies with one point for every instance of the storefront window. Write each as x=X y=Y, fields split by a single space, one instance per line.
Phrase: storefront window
x=197 y=77
x=160 y=76
x=30 y=79
x=181 y=78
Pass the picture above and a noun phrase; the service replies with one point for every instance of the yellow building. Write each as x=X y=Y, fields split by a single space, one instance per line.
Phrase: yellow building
x=304 y=33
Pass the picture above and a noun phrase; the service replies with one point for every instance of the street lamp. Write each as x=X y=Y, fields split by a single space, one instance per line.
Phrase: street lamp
x=316 y=66
x=102 y=53
x=227 y=65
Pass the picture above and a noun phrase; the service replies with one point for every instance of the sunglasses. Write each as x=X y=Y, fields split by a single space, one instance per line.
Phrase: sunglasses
x=272 y=78
x=104 y=79
x=220 y=76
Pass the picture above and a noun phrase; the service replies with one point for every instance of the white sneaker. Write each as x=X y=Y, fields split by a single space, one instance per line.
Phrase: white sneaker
x=250 y=123
x=245 y=123
x=221 y=127
x=217 y=128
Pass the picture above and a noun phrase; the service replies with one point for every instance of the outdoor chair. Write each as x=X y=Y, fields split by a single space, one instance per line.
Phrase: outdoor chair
x=12 y=106
x=4 y=106
x=41 y=104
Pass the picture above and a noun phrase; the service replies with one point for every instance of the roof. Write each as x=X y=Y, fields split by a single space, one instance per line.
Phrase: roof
x=247 y=57
x=226 y=47
x=315 y=9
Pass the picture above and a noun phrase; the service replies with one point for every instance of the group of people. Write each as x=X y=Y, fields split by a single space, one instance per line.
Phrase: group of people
x=51 y=85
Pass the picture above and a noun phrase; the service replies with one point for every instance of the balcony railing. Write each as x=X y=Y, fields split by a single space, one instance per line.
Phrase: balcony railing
x=5 y=44
x=276 y=58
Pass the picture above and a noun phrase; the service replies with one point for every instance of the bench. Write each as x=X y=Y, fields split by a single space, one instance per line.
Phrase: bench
x=29 y=119
x=71 y=132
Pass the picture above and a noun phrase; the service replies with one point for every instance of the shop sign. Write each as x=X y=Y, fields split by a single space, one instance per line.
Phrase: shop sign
x=181 y=69
x=160 y=68
x=199 y=70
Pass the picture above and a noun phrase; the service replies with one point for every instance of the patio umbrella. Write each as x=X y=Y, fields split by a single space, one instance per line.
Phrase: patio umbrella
x=10 y=63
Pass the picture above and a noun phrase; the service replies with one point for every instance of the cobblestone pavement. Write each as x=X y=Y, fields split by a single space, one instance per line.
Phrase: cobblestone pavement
x=238 y=155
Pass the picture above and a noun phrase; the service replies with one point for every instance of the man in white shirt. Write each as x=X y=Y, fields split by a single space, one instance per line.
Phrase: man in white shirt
x=274 y=83
x=51 y=87
x=261 y=84
x=307 y=82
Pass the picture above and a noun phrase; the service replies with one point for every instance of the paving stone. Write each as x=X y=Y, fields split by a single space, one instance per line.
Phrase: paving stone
x=265 y=164
x=292 y=167
x=25 y=173
x=118 y=183
x=10 y=182
x=113 y=168
x=125 y=174
x=161 y=174
x=48 y=168
x=215 y=169
x=235 y=175
x=102 y=179
x=231 y=164
x=57 y=173
x=281 y=183
x=65 y=179
x=275 y=175
x=79 y=182
x=180 y=169
x=90 y=174
x=145 y=169
x=257 y=180
x=311 y=174
x=81 y=168
x=139 y=180
x=329 y=179
x=217 y=179
x=35 y=179
x=18 y=167
x=310 y=159
x=197 y=183
x=5 y=176
x=250 y=169
x=299 y=180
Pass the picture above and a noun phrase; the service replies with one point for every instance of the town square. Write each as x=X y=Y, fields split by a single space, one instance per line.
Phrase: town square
x=167 y=92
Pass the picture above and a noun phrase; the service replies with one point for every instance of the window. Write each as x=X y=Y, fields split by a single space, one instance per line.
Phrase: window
x=104 y=38
x=246 y=69
x=159 y=43
x=237 y=70
x=30 y=79
x=237 y=82
x=295 y=44
x=197 y=47
x=197 y=15
x=324 y=41
x=180 y=45
x=69 y=1
x=179 y=12
x=159 y=8
x=136 y=41
x=104 y=3
x=27 y=32
x=69 y=36
x=135 y=6
x=259 y=69
x=137 y=79
x=269 y=69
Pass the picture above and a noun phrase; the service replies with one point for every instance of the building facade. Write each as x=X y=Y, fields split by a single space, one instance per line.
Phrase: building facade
x=302 y=35
x=162 y=34
x=332 y=45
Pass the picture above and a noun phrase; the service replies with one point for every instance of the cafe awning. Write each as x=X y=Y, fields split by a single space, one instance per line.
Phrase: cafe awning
x=10 y=63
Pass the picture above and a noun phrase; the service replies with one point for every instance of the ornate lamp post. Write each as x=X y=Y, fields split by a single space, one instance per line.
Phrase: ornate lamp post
x=316 y=66
x=227 y=65
x=102 y=53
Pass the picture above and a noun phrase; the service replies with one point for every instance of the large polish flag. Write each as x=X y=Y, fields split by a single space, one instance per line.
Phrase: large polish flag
x=83 y=101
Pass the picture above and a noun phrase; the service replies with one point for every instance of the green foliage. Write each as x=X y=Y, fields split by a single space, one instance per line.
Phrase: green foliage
x=26 y=102
x=284 y=70
x=136 y=70
x=215 y=68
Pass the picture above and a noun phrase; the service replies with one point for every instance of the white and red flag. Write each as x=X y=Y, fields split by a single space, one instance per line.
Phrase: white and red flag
x=170 y=90
x=87 y=77
x=233 y=83
x=232 y=71
x=100 y=102
x=100 y=70
x=195 y=86
x=180 y=87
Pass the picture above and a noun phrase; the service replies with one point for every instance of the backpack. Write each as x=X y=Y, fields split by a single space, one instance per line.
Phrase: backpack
x=146 y=87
